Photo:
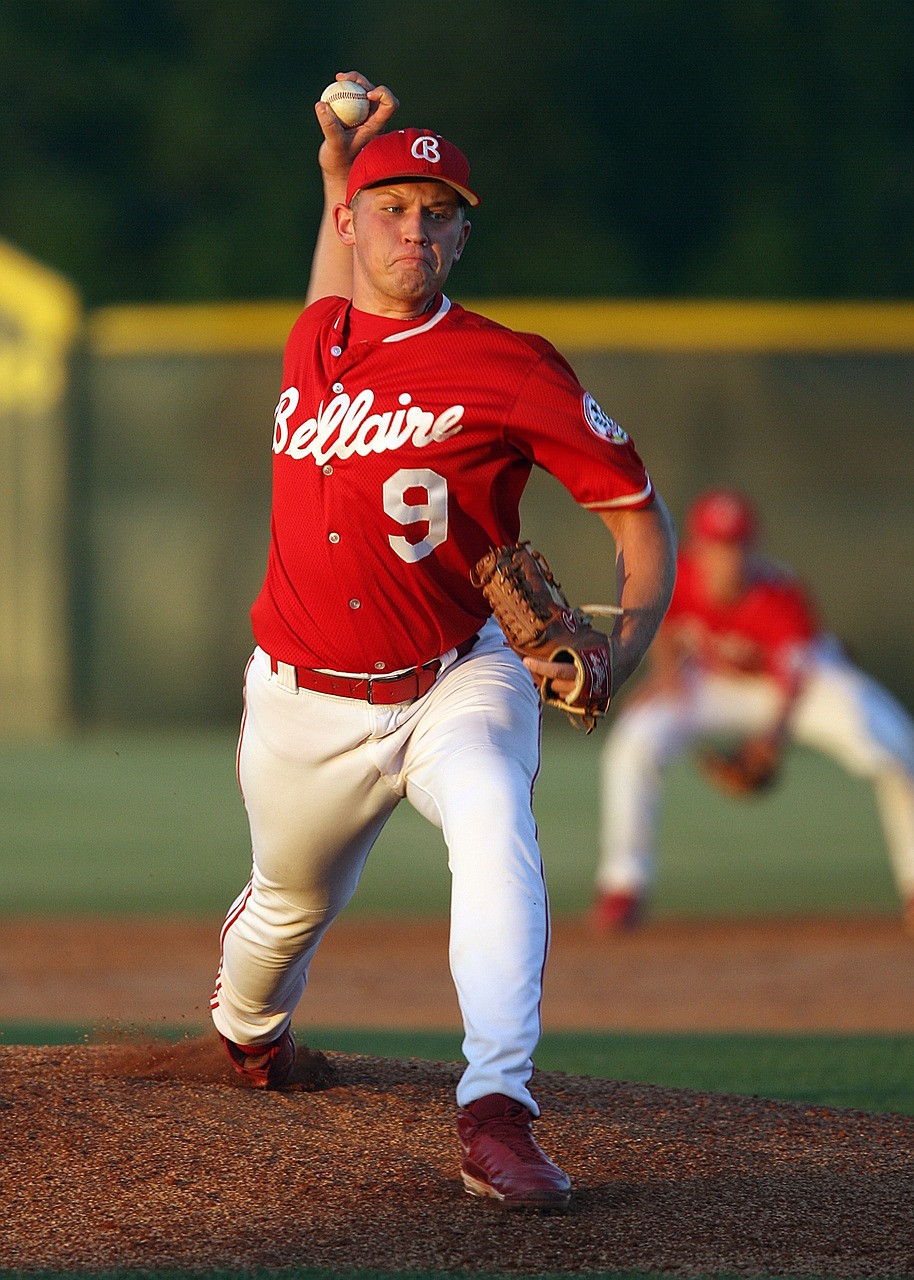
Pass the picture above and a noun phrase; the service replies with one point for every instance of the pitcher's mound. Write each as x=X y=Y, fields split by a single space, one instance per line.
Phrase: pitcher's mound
x=149 y=1156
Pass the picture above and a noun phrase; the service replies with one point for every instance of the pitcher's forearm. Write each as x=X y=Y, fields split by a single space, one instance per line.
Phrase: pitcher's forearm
x=331 y=265
x=645 y=574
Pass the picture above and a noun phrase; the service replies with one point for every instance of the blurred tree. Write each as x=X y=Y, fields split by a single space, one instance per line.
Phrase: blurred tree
x=163 y=149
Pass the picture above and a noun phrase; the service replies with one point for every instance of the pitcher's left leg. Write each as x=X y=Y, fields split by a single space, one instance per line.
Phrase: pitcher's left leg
x=471 y=769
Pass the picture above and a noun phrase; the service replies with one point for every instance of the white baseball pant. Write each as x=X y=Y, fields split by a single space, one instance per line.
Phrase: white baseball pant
x=320 y=775
x=841 y=711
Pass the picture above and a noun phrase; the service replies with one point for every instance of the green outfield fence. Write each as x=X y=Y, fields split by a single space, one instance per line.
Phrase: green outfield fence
x=154 y=532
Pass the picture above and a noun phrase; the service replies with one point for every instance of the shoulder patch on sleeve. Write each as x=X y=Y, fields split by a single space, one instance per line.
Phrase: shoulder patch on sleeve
x=600 y=423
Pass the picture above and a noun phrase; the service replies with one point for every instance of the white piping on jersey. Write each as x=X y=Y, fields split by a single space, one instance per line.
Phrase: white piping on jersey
x=422 y=328
x=630 y=500
x=409 y=333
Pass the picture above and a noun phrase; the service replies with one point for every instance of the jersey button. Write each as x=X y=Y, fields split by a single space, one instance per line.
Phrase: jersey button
x=327 y=470
x=337 y=387
x=336 y=351
x=333 y=537
x=355 y=604
x=379 y=666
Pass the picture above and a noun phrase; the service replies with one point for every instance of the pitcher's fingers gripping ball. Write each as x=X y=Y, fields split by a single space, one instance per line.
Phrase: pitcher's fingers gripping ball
x=539 y=622
x=349 y=102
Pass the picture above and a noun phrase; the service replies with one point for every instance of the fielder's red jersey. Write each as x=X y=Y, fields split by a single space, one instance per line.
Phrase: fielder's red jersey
x=765 y=631
x=401 y=450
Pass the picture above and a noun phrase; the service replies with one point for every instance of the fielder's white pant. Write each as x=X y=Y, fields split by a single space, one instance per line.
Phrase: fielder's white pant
x=841 y=711
x=320 y=775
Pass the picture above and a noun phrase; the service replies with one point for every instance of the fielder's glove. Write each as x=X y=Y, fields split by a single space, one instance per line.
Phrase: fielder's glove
x=752 y=767
x=538 y=622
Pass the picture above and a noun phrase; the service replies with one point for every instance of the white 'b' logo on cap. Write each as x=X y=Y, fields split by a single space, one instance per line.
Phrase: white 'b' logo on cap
x=426 y=148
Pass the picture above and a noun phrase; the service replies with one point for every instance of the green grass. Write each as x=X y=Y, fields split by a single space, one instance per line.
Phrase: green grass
x=864 y=1072
x=149 y=823
x=122 y=822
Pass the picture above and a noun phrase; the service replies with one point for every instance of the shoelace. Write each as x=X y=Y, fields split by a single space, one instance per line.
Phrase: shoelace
x=512 y=1130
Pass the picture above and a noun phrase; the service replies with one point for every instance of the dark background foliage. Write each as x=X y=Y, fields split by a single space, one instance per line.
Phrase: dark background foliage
x=158 y=150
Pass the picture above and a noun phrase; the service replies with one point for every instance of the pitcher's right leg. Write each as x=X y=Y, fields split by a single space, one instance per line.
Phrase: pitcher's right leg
x=315 y=805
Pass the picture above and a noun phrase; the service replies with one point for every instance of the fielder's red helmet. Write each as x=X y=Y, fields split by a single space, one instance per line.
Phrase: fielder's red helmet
x=722 y=515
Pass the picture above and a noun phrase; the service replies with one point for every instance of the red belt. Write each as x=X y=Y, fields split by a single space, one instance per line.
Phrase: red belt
x=380 y=691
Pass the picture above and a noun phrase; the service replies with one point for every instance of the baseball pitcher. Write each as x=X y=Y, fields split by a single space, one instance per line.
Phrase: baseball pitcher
x=405 y=430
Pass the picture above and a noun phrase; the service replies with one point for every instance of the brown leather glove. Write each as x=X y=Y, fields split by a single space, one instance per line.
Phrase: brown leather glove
x=538 y=622
x=752 y=767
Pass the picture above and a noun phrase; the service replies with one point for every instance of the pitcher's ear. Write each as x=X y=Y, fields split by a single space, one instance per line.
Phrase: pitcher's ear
x=344 y=221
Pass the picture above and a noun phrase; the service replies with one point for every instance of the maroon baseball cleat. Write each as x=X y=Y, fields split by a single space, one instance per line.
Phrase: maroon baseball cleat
x=501 y=1160
x=264 y=1066
x=616 y=911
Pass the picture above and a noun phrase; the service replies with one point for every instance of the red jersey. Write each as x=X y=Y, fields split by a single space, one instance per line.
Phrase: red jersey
x=763 y=632
x=401 y=451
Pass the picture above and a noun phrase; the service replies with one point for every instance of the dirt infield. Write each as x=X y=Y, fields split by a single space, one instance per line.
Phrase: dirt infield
x=146 y=1155
x=826 y=975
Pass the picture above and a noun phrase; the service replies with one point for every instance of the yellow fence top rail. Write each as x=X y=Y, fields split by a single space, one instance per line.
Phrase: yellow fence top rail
x=228 y=328
x=571 y=324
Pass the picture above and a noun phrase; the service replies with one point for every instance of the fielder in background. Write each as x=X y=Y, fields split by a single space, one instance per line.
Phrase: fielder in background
x=405 y=432
x=741 y=656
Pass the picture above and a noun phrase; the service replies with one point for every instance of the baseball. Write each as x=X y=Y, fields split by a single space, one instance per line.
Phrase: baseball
x=349 y=102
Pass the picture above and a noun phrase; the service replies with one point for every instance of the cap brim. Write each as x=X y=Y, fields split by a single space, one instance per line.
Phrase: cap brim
x=470 y=196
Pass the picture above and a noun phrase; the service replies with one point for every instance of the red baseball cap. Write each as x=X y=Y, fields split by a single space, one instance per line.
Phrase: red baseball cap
x=723 y=515
x=410 y=153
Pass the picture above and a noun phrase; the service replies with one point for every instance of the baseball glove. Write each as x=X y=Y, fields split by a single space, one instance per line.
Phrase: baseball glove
x=538 y=622
x=748 y=770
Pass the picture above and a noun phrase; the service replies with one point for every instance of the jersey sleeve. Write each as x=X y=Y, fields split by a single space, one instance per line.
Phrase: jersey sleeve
x=560 y=426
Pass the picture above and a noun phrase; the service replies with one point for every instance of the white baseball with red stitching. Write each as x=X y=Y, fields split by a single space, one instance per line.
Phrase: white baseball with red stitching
x=349 y=102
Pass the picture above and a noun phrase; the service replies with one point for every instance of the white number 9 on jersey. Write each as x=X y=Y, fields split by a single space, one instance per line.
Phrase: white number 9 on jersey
x=432 y=511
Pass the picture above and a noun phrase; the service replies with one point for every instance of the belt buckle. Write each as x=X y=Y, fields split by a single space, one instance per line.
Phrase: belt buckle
x=386 y=681
x=410 y=679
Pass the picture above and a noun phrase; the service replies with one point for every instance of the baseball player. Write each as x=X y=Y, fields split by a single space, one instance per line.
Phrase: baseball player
x=405 y=430
x=742 y=655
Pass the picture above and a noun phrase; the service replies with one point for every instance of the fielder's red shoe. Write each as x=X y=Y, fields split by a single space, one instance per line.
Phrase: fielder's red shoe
x=264 y=1066
x=501 y=1160
x=616 y=911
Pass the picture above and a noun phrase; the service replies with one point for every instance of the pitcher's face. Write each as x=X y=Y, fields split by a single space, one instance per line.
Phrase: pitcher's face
x=405 y=236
